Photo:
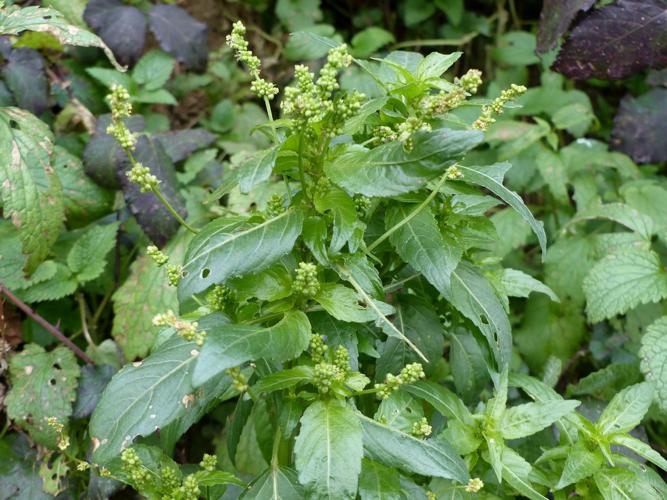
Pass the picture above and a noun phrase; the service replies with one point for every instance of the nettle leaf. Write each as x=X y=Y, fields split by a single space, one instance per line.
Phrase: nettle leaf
x=121 y=26
x=369 y=40
x=428 y=457
x=31 y=191
x=83 y=200
x=328 y=450
x=653 y=356
x=153 y=69
x=24 y=75
x=623 y=281
x=491 y=177
x=145 y=293
x=144 y=397
x=627 y=409
x=277 y=482
x=641 y=448
x=87 y=257
x=389 y=170
x=180 y=144
x=616 y=41
x=530 y=418
x=180 y=35
x=639 y=127
x=60 y=283
x=227 y=248
x=15 y=20
x=230 y=345
x=622 y=214
x=43 y=385
x=420 y=243
x=555 y=18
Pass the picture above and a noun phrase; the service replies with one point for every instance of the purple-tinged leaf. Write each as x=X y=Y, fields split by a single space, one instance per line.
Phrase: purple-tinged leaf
x=616 y=41
x=640 y=127
x=25 y=77
x=555 y=19
x=657 y=78
x=180 y=35
x=122 y=27
x=179 y=144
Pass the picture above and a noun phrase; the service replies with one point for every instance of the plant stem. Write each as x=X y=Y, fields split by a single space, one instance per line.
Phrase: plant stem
x=47 y=326
x=84 y=325
x=410 y=216
x=269 y=113
x=302 y=175
x=173 y=212
x=397 y=284
x=435 y=42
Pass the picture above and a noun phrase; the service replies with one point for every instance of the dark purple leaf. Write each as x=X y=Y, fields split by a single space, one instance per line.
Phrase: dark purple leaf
x=6 y=97
x=180 y=35
x=103 y=157
x=25 y=77
x=91 y=384
x=5 y=46
x=122 y=27
x=156 y=221
x=640 y=127
x=180 y=144
x=616 y=41
x=555 y=19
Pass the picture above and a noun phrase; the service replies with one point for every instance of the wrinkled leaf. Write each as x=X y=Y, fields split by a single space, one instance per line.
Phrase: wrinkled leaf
x=121 y=26
x=180 y=35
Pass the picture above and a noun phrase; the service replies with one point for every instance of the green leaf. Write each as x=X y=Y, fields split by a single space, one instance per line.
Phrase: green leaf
x=435 y=64
x=14 y=20
x=343 y=303
x=442 y=399
x=622 y=214
x=342 y=207
x=623 y=484
x=43 y=386
x=368 y=41
x=491 y=177
x=160 y=96
x=579 y=464
x=328 y=450
x=12 y=261
x=530 y=418
x=109 y=77
x=87 y=257
x=399 y=411
x=153 y=69
x=60 y=284
x=519 y=284
x=627 y=409
x=516 y=472
x=217 y=477
x=273 y=283
x=640 y=448
x=396 y=449
x=31 y=191
x=226 y=248
x=621 y=282
x=20 y=478
x=378 y=482
x=390 y=170
x=284 y=379
x=229 y=345
x=419 y=243
x=256 y=168
x=275 y=483
x=653 y=359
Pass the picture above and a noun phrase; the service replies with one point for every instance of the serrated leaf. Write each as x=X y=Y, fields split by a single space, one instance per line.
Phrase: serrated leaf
x=153 y=69
x=653 y=356
x=616 y=41
x=25 y=77
x=275 y=483
x=427 y=457
x=12 y=262
x=491 y=177
x=390 y=170
x=43 y=386
x=229 y=345
x=420 y=243
x=87 y=257
x=180 y=35
x=122 y=27
x=31 y=192
x=529 y=418
x=519 y=284
x=621 y=282
x=627 y=409
x=579 y=464
x=58 y=285
x=143 y=397
x=15 y=20
x=328 y=450
x=343 y=303
x=623 y=214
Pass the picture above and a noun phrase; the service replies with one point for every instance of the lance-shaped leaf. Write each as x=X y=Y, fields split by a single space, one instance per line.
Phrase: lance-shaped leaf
x=442 y=399
x=229 y=345
x=616 y=41
x=530 y=418
x=491 y=177
x=180 y=35
x=390 y=170
x=224 y=250
x=25 y=77
x=31 y=192
x=256 y=168
x=419 y=242
x=121 y=26
x=627 y=409
x=328 y=450
x=14 y=20
x=555 y=19
x=516 y=472
x=144 y=397
x=427 y=457
x=275 y=483
x=653 y=356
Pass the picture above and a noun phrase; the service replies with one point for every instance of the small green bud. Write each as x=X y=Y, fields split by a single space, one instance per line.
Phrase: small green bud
x=142 y=176
x=158 y=256
x=421 y=428
x=220 y=297
x=409 y=374
x=239 y=381
x=174 y=274
x=306 y=282
x=474 y=485
x=275 y=206
x=317 y=348
x=471 y=81
x=208 y=462
x=453 y=173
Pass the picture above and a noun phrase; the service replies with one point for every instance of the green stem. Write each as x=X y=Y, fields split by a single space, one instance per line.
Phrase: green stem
x=269 y=113
x=276 y=449
x=302 y=175
x=397 y=284
x=410 y=216
x=84 y=325
x=173 y=212
x=436 y=42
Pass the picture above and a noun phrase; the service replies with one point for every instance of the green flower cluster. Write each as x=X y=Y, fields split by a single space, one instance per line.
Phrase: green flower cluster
x=306 y=282
x=497 y=106
x=157 y=255
x=275 y=206
x=186 y=329
x=474 y=485
x=208 y=462
x=327 y=374
x=453 y=173
x=139 y=475
x=220 y=297
x=421 y=428
x=174 y=274
x=409 y=374
x=239 y=380
x=141 y=175
x=318 y=348
x=121 y=107
x=237 y=42
x=471 y=81
x=361 y=204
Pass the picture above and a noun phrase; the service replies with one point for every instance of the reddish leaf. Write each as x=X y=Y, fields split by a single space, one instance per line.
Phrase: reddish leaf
x=555 y=19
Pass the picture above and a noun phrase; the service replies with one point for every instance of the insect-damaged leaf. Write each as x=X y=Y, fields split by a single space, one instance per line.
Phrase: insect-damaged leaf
x=616 y=41
x=180 y=35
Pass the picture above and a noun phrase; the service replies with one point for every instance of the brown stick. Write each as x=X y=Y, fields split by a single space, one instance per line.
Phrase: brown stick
x=48 y=326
